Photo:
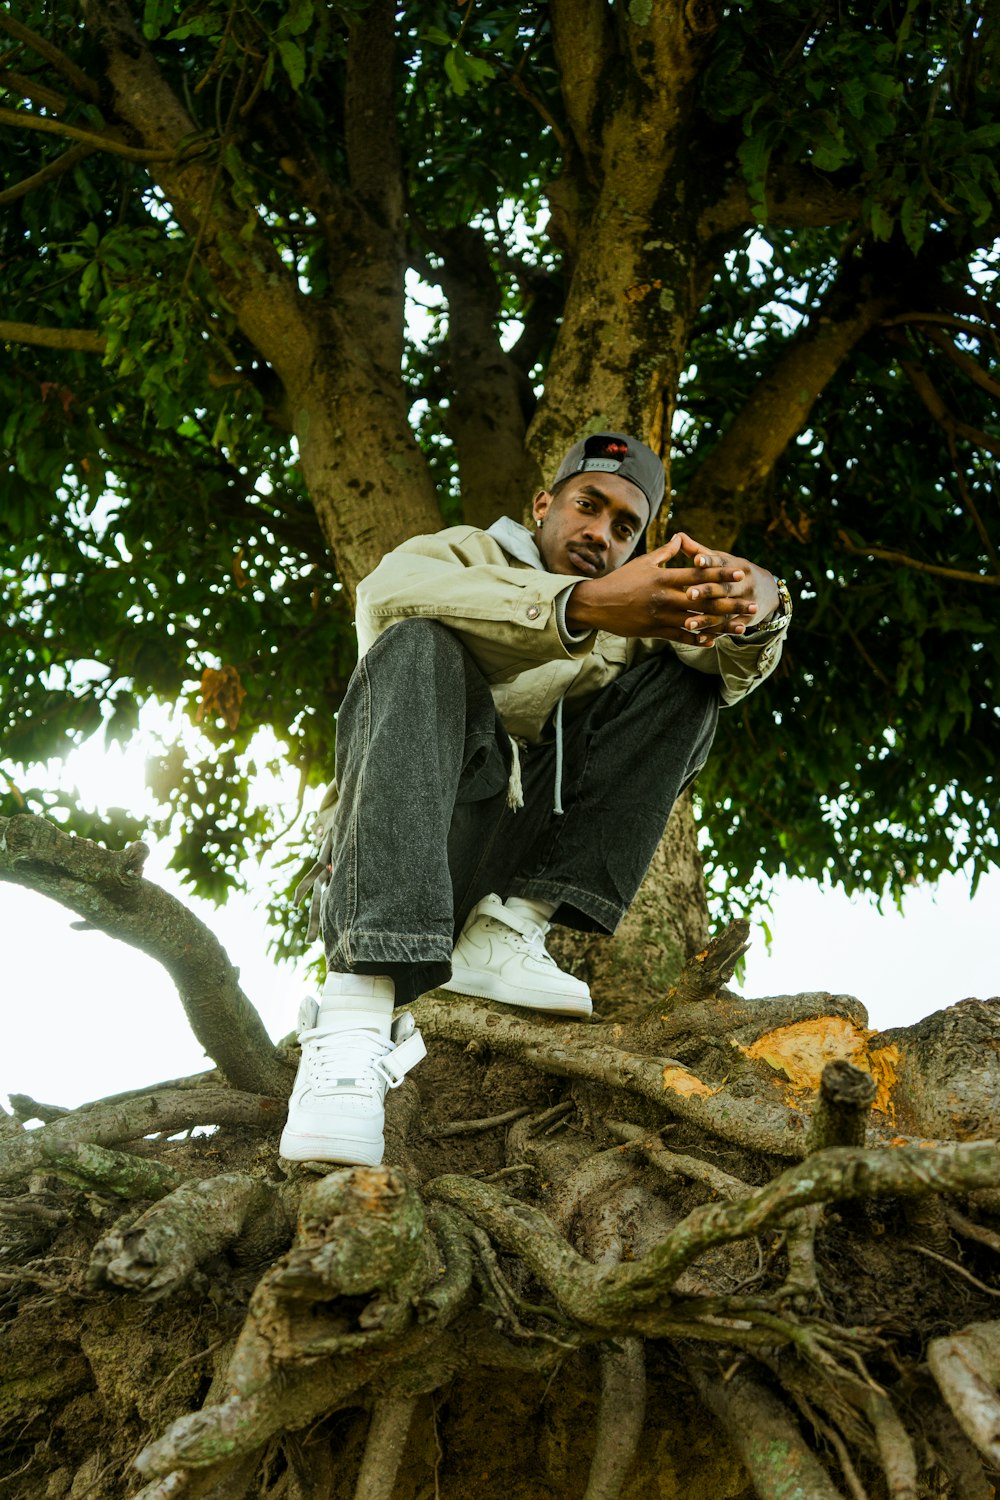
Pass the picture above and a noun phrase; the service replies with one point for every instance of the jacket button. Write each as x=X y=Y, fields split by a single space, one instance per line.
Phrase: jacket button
x=533 y=612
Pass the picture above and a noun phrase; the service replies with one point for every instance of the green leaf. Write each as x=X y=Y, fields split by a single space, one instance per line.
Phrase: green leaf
x=88 y=281
x=293 y=60
x=298 y=18
x=456 y=74
x=882 y=221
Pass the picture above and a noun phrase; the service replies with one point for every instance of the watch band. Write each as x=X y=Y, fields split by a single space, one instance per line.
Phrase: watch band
x=781 y=615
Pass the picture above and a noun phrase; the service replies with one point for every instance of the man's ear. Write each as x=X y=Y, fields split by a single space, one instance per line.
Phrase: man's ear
x=540 y=504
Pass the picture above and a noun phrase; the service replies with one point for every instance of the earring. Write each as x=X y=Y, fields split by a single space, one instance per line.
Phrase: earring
x=538 y=525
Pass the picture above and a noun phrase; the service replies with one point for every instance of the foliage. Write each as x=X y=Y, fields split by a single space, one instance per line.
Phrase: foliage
x=157 y=524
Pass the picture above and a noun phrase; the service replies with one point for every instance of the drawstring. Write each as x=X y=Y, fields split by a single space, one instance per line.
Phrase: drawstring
x=515 y=790
x=515 y=787
x=557 y=806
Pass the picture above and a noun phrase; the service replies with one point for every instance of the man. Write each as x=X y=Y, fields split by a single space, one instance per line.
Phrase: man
x=524 y=713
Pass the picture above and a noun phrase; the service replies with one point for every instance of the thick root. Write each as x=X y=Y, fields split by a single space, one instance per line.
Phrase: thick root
x=966 y=1366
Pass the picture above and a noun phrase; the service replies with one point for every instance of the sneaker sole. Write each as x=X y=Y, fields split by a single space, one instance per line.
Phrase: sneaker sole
x=337 y=1151
x=481 y=989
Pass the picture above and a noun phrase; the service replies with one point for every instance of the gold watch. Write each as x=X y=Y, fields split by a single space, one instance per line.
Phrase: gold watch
x=781 y=615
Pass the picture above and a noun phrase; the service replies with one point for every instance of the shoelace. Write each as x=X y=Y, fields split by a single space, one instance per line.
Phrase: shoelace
x=340 y=1058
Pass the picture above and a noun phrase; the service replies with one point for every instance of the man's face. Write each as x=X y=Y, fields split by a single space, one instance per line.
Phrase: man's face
x=592 y=526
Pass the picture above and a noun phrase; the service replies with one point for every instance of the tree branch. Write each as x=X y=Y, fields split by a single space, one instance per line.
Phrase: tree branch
x=30 y=88
x=962 y=361
x=927 y=391
x=84 y=86
x=864 y=550
x=492 y=398
x=583 y=38
x=796 y=197
x=726 y=485
x=22 y=120
x=108 y=890
x=83 y=340
x=65 y=163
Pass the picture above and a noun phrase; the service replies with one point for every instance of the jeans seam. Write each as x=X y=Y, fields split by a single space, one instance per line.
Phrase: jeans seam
x=353 y=840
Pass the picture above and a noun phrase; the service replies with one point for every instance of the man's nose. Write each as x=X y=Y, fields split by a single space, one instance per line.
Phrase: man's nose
x=598 y=531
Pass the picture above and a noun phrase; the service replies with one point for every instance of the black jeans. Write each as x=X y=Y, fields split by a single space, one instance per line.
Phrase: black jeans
x=423 y=828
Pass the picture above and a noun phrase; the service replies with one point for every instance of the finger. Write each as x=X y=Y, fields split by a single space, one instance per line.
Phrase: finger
x=676 y=631
x=728 y=588
x=702 y=577
x=735 y=603
x=664 y=554
x=738 y=625
x=689 y=546
x=716 y=624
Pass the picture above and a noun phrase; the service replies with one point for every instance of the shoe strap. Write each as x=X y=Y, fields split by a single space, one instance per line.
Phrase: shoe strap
x=497 y=912
x=395 y=1065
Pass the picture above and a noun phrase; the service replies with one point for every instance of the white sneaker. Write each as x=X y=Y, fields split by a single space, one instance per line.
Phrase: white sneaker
x=352 y=1051
x=501 y=955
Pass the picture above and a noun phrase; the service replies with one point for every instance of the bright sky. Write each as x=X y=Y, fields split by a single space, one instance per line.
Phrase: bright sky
x=86 y=1016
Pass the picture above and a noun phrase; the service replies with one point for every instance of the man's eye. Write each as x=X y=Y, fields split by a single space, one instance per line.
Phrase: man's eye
x=626 y=533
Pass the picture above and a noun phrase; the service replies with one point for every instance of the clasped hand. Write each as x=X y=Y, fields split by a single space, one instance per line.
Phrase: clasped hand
x=718 y=594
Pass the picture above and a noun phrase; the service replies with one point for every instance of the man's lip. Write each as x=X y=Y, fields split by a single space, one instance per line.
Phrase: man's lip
x=586 y=562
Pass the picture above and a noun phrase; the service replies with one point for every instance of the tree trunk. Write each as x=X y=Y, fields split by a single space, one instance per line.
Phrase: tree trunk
x=666 y=923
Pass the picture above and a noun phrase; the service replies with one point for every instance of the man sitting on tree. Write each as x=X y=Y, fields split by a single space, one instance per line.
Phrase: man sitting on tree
x=508 y=752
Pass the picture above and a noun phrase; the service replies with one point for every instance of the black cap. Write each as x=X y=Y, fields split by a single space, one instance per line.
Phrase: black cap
x=617 y=453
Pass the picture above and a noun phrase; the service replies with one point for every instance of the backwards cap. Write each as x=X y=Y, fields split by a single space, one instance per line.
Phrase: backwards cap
x=617 y=453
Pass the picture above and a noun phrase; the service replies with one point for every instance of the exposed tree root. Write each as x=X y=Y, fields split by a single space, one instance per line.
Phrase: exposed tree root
x=767 y=1438
x=966 y=1366
x=171 y=1110
x=608 y=1296
x=586 y=1052
x=620 y=1418
x=675 y=1162
x=388 y=1293
x=894 y=1446
x=802 y=1279
x=969 y=1230
x=704 y=975
x=955 y=1455
x=387 y=1434
x=160 y=1250
x=228 y=1480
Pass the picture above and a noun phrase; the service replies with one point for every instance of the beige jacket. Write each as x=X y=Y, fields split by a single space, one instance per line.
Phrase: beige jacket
x=491 y=589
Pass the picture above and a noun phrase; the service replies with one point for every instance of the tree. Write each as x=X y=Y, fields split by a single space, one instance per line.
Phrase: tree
x=770 y=250
x=771 y=237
